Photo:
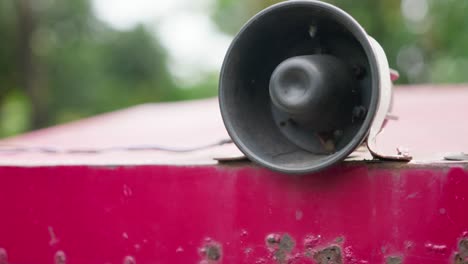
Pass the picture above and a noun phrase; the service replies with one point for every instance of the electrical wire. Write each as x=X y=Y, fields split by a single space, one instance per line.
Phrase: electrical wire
x=12 y=149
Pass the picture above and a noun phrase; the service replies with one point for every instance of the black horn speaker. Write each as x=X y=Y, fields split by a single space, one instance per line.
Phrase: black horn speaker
x=302 y=86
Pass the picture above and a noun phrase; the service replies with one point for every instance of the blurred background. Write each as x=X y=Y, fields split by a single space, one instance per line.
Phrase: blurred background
x=65 y=60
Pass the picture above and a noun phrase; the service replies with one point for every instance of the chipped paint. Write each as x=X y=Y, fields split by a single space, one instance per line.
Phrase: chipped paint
x=311 y=241
x=394 y=260
x=329 y=255
x=461 y=257
x=60 y=257
x=409 y=245
x=439 y=249
x=53 y=238
x=244 y=233
x=211 y=251
x=129 y=260
x=281 y=246
x=350 y=258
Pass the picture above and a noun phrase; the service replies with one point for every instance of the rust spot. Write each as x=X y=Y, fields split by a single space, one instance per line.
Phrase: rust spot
x=329 y=255
x=211 y=252
x=409 y=245
x=129 y=260
x=3 y=256
x=459 y=260
x=461 y=257
x=60 y=257
x=463 y=246
x=393 y=260
x=281 y=246
x=272 y=240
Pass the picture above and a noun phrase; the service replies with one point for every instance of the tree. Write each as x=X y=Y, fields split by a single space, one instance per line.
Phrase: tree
x=424 y=46
x=67 y=64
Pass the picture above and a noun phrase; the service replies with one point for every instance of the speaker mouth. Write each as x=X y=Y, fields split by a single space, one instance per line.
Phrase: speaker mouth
x=278 y=33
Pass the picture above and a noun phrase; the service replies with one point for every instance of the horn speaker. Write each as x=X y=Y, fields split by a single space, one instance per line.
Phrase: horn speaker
x=302 y=86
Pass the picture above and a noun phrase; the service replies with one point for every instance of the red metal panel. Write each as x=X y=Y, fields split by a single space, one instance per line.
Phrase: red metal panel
x=233 y=214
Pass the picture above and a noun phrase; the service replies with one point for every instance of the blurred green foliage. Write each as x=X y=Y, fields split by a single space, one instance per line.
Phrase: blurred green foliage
x=58 y=62
x=426 y=40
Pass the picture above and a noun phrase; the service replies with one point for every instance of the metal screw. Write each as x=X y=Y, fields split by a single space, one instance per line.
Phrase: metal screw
x=359 y=72
x=338 y=133
x=359 y=112
x=312 y=31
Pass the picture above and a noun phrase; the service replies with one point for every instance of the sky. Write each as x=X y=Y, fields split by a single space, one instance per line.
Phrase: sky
x=194 y=44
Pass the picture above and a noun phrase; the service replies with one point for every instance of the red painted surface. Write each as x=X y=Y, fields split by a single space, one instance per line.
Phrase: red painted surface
x=160 y=214
x=158 y=207
x=432 y=121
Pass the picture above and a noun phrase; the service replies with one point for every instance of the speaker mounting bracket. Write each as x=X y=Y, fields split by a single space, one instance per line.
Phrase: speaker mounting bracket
x=384 y=108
